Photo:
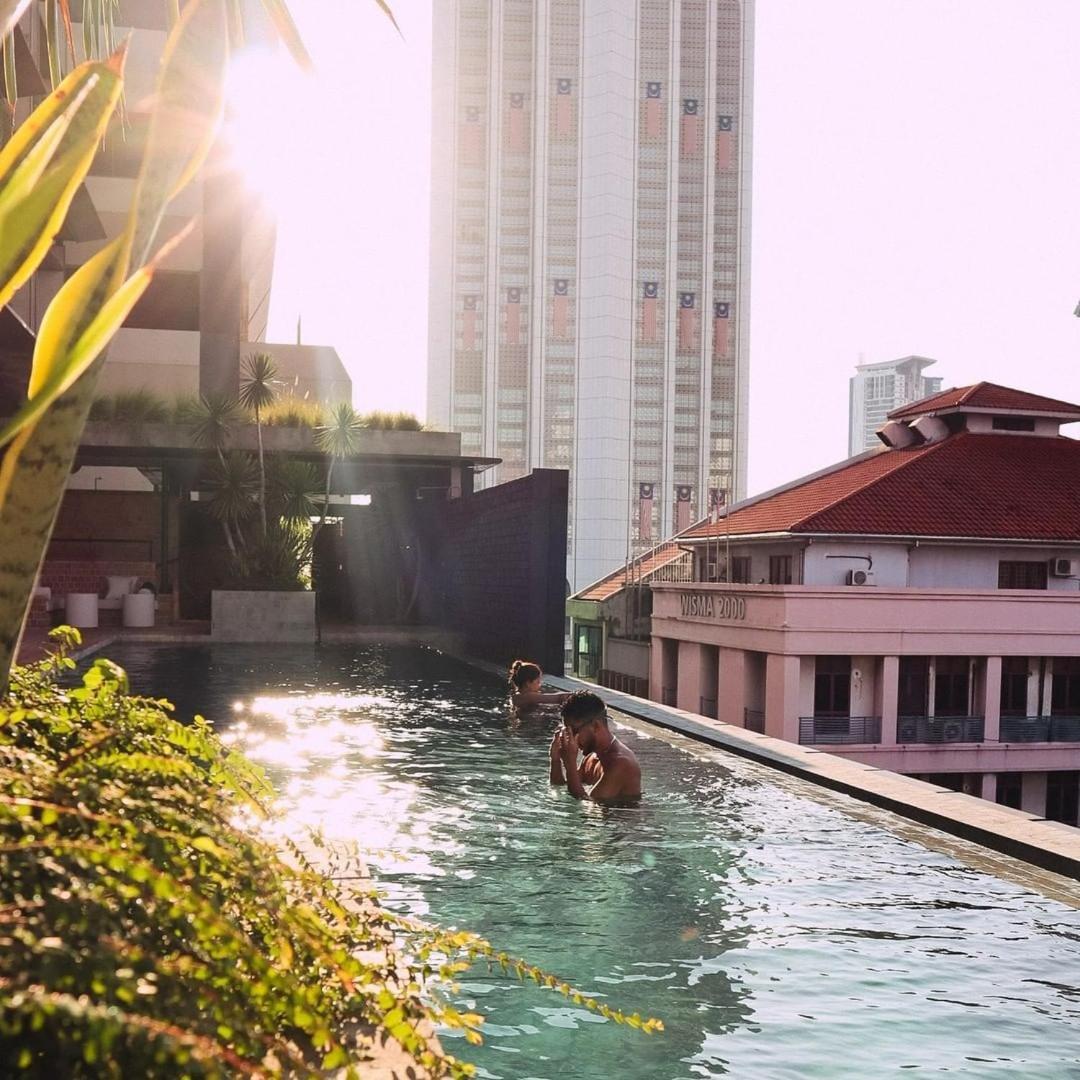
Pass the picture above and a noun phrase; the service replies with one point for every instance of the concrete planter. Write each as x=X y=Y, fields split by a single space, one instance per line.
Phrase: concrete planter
x=262 y=616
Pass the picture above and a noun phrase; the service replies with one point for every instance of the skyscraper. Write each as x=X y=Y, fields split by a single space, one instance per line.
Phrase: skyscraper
x=876 y=389
x=590 y=258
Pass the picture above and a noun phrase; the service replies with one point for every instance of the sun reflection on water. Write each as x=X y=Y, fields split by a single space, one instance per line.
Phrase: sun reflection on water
x=322 y=750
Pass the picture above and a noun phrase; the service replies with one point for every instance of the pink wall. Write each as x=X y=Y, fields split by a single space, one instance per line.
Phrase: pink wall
x=808 y=621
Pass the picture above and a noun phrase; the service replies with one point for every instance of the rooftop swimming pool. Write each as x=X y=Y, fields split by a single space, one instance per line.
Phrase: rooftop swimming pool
x=779 y=932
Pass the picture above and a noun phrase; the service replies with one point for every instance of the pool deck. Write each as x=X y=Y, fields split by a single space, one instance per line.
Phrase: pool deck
x=1047 y=844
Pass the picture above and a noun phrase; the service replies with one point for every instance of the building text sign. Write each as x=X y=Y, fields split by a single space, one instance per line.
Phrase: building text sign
x=712 y=606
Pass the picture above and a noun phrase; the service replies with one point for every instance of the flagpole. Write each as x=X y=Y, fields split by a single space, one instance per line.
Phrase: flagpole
x=727 y=537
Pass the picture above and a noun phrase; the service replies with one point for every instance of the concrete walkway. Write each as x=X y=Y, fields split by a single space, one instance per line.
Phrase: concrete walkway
x=1047 y=844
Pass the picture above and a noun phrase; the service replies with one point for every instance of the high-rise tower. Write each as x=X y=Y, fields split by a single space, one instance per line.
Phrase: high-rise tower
x=590 y=258
x=876 y=389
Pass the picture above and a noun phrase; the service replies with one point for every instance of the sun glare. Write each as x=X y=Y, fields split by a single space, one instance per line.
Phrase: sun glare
x=268 y=96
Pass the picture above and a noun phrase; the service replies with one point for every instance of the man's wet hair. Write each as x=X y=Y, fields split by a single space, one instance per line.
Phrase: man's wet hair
x=583 y=707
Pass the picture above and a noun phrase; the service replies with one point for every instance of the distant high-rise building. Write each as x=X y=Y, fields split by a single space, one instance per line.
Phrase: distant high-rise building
x=590 y=264
x=877 y=389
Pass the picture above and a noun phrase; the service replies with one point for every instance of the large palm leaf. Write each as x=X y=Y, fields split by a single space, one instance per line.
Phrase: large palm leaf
x=232 y=485
x=212 y=420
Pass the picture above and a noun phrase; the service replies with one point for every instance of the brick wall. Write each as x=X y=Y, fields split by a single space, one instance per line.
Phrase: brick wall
x=113 y=525
x=500 y=577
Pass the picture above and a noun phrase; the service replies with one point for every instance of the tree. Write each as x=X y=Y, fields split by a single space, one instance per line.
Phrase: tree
x=232 y=486
x=339 y=438
x=257 y=391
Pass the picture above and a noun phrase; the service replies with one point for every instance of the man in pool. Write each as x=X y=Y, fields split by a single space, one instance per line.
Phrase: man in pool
x=609 y=767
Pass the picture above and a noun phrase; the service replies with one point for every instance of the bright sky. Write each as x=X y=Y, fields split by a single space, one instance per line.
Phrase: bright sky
x=916 y=190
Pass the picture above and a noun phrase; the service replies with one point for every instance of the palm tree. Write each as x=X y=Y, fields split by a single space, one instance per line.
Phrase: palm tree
x=294 y=487
x=340 y=438
x=257 y=391
x=232 y=484
x=211 y=422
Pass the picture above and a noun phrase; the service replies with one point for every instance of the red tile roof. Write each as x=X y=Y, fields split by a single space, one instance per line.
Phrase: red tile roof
x=991 y=486
x=640 y=569
x=985 y=395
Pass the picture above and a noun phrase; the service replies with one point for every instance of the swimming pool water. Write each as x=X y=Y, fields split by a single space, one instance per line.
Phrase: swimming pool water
x=776 y=937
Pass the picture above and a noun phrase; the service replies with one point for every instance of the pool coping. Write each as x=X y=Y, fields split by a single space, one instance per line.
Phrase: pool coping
x=1046 y=844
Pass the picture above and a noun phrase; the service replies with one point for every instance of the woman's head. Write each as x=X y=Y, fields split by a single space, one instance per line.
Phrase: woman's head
x=523 y=674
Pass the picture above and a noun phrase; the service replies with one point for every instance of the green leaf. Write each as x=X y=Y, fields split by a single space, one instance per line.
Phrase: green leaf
x=10 y=13
x=189 y=100
x=33 y=201
x=68 y=344
x=286 y=28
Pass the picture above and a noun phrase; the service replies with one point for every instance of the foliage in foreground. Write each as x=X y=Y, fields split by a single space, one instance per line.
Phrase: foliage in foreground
x=146 y=929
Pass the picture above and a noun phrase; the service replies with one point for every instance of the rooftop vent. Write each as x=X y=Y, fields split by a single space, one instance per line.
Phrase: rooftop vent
x=931 y=428
x=896 y=435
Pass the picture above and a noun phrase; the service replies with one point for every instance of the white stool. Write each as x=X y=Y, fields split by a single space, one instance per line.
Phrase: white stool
x=139 y=609
x=81 y=609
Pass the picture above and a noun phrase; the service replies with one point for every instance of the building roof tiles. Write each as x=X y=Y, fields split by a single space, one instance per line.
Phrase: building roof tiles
x=642 y=568
x=985 y=395
x=988 y=486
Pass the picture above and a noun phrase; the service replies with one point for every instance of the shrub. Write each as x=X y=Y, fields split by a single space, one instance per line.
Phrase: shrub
x=101 y=408
x=185 y=409
x=144 y=932
x=140 y=407
x=294 y=412
x=391 y=421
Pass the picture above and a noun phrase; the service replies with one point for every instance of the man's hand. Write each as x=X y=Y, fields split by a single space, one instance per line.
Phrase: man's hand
x=568 y=751
x=568 y=748
x=557 y=776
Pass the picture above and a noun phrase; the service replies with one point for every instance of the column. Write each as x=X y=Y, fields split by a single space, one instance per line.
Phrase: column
x=689 y=685
x=1033 y=793
x=731 y=688
x=992 y=702
x=782 y=696
x=989 y=786
x=656 y=669
x=890 y=698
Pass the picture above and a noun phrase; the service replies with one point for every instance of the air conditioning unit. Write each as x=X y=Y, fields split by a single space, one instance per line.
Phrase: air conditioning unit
x=860 y=577
x=1062 y=568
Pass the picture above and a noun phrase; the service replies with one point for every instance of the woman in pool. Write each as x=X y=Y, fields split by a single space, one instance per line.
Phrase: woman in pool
x=526 y=697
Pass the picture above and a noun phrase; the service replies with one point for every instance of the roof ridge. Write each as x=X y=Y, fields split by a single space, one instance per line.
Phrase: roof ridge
x=917 y=454
x=972 y=388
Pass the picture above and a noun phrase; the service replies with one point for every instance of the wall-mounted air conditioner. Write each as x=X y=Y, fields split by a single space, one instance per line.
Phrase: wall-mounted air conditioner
x=1062 y=568
x=860 y=577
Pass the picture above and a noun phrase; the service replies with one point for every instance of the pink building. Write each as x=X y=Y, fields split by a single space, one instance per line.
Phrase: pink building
x=916 y=607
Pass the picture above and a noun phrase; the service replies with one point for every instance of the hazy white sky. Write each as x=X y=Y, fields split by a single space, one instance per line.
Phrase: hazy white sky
x=916 y=190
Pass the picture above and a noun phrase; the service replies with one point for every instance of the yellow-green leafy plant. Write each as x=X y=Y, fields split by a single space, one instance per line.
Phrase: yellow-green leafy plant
x=56 y=146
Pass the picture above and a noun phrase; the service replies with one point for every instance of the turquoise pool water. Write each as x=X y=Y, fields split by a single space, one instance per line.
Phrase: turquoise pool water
x=777 y=937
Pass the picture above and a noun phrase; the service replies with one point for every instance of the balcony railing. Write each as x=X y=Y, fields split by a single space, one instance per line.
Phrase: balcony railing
x=708 y=707
x=1016 y=729
x=939 y=729
x=839 y=730
x=754 y=720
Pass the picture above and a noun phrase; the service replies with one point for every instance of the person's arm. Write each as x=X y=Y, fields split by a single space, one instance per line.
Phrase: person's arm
x=557 y=778
x=519 y=698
